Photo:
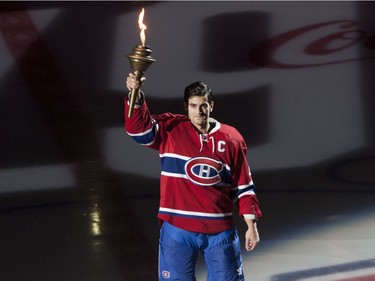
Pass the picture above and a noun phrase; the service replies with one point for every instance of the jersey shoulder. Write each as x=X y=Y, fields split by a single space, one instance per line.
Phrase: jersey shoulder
x=170 y=117
x=169 y=122
x=230 y=132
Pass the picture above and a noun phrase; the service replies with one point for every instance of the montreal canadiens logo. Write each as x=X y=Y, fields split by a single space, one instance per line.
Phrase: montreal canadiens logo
x=166 y=274
x=204 y=171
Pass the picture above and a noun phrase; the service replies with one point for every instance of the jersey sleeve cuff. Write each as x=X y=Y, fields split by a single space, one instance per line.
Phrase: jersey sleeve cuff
x=250 y=217
x=141 y=100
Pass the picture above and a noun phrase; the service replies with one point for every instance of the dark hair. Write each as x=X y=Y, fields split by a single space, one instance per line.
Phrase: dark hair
x=197 y=89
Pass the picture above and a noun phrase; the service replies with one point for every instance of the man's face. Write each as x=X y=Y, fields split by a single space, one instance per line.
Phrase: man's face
x=199 y=109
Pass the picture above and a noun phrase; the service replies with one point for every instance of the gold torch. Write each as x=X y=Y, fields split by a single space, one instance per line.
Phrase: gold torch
x=140 y=60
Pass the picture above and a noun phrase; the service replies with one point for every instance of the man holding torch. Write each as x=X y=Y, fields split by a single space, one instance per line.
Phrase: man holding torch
x=204 y=174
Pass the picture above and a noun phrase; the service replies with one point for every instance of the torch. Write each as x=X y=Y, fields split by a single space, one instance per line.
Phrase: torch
x=140 y=60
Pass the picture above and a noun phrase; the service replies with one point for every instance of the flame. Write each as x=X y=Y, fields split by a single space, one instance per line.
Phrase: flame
x=142 y=26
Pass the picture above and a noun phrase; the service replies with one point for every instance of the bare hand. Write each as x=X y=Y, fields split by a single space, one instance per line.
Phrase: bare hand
x=251 y=235
x=133 y=83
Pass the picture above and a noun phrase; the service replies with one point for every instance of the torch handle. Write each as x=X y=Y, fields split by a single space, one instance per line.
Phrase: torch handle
x=133 y=94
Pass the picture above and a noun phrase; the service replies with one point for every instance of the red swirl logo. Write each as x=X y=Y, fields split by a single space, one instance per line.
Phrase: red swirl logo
x=315 y=45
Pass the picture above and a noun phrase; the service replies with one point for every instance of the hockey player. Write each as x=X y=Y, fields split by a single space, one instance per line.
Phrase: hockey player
x=204 y=173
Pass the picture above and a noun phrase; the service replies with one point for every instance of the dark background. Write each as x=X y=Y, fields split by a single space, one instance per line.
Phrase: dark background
x=78 y=198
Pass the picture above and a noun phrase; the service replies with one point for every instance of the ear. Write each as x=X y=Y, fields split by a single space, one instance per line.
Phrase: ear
x=185 y=107
x=212 y=106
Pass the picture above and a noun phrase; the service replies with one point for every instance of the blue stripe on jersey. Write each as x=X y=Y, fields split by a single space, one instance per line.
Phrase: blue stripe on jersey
x=248 y=190
x=147 y=137
x=173 y=164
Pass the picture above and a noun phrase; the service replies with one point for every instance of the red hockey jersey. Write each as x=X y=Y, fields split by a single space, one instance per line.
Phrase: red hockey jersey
x=202 y=175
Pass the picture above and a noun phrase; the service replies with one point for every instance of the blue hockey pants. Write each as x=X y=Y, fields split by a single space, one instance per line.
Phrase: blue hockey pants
x=179 y=249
